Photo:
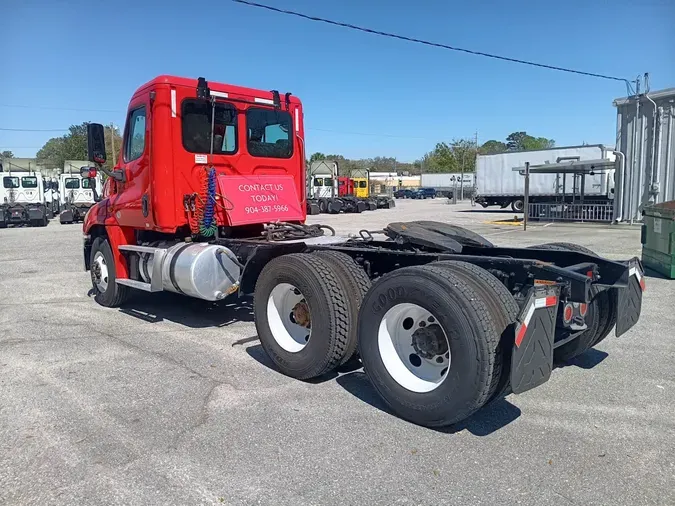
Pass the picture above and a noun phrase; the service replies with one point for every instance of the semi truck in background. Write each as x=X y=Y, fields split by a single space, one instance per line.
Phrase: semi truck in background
x=77 y=195
x=329 y=192
x=498 y=184
x=22 y=199
x=361 y=180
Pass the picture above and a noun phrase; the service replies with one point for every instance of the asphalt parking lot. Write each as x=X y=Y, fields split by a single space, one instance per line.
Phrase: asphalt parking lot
x=172 y=401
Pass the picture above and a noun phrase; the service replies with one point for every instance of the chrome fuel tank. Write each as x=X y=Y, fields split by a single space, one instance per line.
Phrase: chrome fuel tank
x=201 y=270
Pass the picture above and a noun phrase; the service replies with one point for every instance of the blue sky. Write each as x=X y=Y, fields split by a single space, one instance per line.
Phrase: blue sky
x=405 y=97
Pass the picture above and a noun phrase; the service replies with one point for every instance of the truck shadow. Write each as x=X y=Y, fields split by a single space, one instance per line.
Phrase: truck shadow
x=587 y=360
x=257 y=353
x=194 y=313
x=489 y=419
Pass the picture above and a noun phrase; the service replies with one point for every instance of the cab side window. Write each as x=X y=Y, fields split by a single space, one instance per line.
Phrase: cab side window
x=134 y=144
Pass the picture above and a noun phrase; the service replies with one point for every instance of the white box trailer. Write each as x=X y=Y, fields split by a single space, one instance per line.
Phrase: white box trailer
x=498 y=184
x=446 y=183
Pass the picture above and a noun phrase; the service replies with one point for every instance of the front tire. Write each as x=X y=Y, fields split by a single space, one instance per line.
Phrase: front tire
x=103 y=275
x=428 y=344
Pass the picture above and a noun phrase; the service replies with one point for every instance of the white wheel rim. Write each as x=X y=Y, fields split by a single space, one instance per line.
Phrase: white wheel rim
x=406 y=364
x=291 y=332
x=101 y=279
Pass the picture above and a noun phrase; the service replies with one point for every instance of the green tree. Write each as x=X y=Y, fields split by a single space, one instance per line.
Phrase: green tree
x=521 y=141
x=455 y=156
x=6 y=154
x=52 y=154
x=73 y=146
x=532 y=143
x=316 y=157
x=492 y=147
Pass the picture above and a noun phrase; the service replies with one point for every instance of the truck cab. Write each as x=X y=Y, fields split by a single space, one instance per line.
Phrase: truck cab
x=345 y=186
x=167 y=155
x=361 y=187
x=22 y=199
x=77 y=195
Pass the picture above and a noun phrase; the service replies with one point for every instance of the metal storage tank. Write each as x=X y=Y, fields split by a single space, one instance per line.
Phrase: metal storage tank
x=645 y=134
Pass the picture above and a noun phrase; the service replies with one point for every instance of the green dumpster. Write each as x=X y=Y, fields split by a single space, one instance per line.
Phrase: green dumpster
x=658 y=238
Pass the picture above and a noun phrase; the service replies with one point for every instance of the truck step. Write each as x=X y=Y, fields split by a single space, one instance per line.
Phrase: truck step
x=139 y=285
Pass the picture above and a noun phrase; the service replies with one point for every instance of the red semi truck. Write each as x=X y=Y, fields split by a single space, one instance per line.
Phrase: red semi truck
x=208 y=200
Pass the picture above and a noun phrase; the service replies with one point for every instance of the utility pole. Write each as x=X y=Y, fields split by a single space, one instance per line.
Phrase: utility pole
x=527 y=195
x=112 y=142
x=461 y=181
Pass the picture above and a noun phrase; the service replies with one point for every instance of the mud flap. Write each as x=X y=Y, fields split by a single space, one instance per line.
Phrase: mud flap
x=66 y=216
x=36 y=213
x=532 y=356
x=629 y=299
x=312 y=208
x=334 y=206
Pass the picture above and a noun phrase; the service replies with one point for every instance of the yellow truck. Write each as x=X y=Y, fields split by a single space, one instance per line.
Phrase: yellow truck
x=361 y=183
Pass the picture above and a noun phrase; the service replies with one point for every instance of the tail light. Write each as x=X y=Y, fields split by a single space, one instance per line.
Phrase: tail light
x=583 y=309
x=568 y=313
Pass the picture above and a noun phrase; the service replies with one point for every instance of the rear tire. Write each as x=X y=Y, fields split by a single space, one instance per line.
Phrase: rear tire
x=517 y=205
x=103 y=275
x=356 y=283
x=428 y=391
x=302 y=315
x=504 y=310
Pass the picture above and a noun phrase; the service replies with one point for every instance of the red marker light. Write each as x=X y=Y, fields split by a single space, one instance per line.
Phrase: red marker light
x=567 y=313
x=583 y=309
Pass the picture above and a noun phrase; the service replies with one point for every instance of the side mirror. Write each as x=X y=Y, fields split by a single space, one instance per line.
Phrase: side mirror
x=88 y=172
x=96 y=143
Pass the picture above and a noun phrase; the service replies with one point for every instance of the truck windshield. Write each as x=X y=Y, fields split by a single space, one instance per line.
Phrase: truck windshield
x=10 y=182
x=197 y=127
x=72 y=183
x=363 y=184
x=86 y=183
x=269 y=133
x=29 y=182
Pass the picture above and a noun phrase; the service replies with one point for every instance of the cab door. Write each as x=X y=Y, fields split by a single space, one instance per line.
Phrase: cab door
x=131 y=203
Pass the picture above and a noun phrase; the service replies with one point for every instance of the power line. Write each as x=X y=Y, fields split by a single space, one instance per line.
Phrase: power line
x=428 y=43
x=34 y=129
x=21 y=106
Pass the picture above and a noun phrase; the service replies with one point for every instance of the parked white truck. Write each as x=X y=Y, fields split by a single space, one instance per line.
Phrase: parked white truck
x=77 y=196
x=22 y=199
x=497 y=184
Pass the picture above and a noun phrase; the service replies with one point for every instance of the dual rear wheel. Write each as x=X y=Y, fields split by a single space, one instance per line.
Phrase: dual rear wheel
x=429 y=337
